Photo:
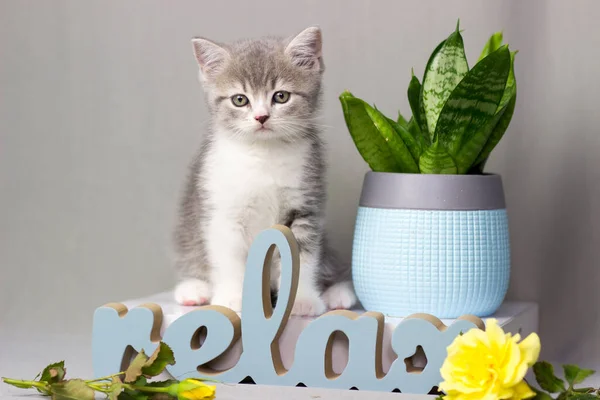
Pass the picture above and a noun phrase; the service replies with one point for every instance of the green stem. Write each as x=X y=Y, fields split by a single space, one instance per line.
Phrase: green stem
x=32 y=384
x=105 y=378
x=21 y=382
x=147 y=388
x=99 y=388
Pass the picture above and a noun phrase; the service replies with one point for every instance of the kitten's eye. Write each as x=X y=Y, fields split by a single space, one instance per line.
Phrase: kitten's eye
x=281 y=97
x=239 y=100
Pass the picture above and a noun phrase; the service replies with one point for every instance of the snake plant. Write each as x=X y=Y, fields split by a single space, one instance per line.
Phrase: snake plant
x=458 y=114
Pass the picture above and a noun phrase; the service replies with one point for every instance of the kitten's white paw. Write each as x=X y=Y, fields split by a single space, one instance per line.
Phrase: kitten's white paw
x=308 y=306
x=339 y=296
x=233 y=301
x=192 y=292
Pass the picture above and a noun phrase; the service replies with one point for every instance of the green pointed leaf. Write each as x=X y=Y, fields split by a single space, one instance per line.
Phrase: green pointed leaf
x=575 y=375
x=466 y=120
x=496 y=135
x=445 y=69
x=582 y=396
x=436 y=160
x=415 y=100
x=135 y=368
x=158 y=361
x=370 y=144
x=544 y=374
x=511 y=84
x=54 y=373
x=413 y=145
x=402 y=121
x=413 y=128
x=493 y=44
x=74 y=389
x=399 y=149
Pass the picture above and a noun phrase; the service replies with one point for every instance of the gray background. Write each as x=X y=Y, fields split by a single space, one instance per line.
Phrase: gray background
x=100 y=112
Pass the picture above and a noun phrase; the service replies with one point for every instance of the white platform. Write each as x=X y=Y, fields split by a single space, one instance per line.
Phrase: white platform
x=515 y=317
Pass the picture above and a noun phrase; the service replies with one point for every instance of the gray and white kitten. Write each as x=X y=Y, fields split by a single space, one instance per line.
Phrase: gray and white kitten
x=261 y=164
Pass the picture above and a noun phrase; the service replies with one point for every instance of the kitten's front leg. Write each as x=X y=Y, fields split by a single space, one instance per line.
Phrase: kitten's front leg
x=227 y=251
x=308 y=301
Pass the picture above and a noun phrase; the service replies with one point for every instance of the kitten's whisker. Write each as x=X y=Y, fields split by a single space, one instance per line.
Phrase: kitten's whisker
x=306 y=124
x=309 y=115
x=309 y=123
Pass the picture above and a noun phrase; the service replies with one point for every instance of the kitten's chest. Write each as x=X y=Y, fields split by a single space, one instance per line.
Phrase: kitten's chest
x=263 y=177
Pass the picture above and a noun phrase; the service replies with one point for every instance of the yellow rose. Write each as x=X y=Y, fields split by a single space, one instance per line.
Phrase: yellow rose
x=193 y=389
x=489 y=365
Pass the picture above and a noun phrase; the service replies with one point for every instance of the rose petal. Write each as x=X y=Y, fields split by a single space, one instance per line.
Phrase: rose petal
x=530 y=349
x=522 y=391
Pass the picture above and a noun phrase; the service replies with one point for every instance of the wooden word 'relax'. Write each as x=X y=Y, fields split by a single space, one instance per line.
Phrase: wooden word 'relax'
x=117 y=329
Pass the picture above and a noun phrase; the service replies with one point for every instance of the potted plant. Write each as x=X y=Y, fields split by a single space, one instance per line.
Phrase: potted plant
x=431 y=232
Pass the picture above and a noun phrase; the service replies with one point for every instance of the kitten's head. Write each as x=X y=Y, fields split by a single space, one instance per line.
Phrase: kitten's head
x=267 y=89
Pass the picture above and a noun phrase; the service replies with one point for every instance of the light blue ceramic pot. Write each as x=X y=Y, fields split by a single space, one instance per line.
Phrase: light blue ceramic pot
x=436 y=244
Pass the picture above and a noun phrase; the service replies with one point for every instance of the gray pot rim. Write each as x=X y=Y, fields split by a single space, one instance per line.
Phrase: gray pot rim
x=432 y=192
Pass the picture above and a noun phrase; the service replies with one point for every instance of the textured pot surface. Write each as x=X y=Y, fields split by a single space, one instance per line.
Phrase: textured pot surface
x=431 y=243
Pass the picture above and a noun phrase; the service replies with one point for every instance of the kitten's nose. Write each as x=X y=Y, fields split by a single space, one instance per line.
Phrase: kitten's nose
x=262 y=118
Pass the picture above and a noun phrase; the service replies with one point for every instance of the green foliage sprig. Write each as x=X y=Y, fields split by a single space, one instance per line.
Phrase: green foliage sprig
x=131 y=384
x=551 y=384
x=458 y=114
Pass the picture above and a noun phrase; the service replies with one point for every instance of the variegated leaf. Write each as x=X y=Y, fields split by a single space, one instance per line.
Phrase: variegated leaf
x=493 y=44
x=445 y=69
x=436 y=160
x=465 y=121
x=496 y=135
x=511 y=84
x=415 y=100
x=507 y=108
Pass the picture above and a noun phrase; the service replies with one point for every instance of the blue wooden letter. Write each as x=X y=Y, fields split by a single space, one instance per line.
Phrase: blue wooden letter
x=261 y=325
x=313 y=356
x=223 y=330
x=115 y=329
x=434 y=337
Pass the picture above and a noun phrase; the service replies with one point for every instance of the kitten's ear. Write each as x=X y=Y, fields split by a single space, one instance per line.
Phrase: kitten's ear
x=210 y=56
x=305 y=49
